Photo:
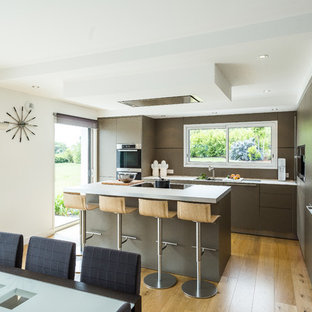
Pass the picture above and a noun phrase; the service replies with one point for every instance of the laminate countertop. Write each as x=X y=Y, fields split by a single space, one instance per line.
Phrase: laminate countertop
x=191 y=179
x=211 y=194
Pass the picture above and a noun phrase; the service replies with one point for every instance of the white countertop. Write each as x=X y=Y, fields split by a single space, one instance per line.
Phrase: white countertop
x=195 y=193
x=222 y=180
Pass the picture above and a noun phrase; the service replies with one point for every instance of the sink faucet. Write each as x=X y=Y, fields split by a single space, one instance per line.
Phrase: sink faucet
x=210 y=168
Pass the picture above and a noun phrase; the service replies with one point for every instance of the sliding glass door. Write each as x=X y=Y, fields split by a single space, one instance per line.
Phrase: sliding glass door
x=75 y=159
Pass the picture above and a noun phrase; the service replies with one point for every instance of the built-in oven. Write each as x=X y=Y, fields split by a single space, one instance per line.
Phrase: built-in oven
x=129 y=159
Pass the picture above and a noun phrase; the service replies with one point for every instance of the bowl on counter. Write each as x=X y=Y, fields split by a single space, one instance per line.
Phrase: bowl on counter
x=126 y=177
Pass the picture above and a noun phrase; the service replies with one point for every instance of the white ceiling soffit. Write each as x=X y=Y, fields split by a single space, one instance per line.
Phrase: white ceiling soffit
x=218 y=66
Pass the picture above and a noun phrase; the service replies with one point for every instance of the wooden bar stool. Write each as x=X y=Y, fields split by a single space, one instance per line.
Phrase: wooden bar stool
x=78 y=201
x=198 y=213
x=117 y=205
x=159 y=210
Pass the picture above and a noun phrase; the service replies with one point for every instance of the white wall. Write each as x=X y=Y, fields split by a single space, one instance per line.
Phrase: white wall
x=27 y=168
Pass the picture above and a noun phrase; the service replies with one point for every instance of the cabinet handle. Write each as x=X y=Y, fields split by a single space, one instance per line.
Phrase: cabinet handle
x=241 y=184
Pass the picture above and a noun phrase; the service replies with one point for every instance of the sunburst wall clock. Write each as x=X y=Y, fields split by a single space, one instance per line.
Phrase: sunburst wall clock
x=21 y=124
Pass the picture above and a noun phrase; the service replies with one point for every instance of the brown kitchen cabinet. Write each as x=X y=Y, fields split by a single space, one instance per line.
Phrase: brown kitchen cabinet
x=278 y=211
x=263 y=209
x=127 y=130
x=107 y=140
x=244 y=207
x=308 y=240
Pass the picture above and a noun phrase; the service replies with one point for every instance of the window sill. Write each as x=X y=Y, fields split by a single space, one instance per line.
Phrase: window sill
x=227 y=166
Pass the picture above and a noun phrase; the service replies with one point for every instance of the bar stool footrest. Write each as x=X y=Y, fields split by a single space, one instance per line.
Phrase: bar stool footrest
x=167 y=281
x=206 y=290
x=168 y=243
x=95 y=233
x=203 y=249
x=165 y=244
x=92 y=234
x=126 y=237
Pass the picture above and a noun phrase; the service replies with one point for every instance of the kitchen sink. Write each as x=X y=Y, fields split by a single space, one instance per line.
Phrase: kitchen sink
x=211 y=179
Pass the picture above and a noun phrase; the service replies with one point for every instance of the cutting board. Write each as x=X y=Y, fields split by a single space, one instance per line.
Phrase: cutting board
x=116 y=182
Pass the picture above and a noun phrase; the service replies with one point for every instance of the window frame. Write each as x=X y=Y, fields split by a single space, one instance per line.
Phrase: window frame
x=227 y=163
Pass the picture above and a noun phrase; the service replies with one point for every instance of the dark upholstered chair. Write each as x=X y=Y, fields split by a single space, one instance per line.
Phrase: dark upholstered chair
x=125 y=308
x=113 y=269
x=52 y=257
x=11 y=249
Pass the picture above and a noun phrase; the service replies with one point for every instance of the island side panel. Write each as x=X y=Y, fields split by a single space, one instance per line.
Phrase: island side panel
x=224 y=208
x=180 y=259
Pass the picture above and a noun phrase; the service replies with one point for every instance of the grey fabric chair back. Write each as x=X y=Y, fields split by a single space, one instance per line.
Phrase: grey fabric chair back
x=113 y=269
x=125 y=308
x=51 y=257
x=11 y=249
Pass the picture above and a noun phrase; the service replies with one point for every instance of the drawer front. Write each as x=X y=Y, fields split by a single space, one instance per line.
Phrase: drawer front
x=277 y=200
x=276 y=220
x=282 y=189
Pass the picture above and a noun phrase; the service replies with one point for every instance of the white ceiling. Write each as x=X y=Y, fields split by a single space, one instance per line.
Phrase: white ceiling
x=99 y=52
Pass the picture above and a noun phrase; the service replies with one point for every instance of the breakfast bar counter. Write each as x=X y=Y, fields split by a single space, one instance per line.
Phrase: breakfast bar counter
x=210 y=194
x=178 y=259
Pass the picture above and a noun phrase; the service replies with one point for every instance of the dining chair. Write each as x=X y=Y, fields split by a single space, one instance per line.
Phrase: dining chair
x=126 y=307
x=52 y=257
x=11 y=249
x=109 y=268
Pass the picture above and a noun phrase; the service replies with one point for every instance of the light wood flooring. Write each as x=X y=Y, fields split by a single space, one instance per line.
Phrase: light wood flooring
x=263 y=275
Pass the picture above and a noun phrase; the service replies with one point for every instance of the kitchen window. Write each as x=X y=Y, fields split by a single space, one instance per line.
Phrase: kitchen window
x=231 y=145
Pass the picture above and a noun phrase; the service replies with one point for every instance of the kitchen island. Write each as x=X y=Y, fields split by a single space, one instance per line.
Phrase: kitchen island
x=178 y=259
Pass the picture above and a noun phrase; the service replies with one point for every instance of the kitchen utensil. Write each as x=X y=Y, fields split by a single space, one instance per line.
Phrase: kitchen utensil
x=162 y=183
x=126 y=177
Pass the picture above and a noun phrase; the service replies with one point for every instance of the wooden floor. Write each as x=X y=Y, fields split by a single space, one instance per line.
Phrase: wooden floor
x=263 y=275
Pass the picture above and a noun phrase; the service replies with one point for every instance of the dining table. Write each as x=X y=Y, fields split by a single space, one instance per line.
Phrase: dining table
x=27 y=291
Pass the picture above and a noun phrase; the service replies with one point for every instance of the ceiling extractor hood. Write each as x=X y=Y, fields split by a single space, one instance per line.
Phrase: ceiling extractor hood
x=184 y=99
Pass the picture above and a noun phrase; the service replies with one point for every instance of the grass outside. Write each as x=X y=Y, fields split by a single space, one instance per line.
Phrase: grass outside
x=66 y=175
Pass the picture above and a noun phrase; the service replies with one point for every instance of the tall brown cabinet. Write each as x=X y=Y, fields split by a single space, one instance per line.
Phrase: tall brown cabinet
x=125 y=130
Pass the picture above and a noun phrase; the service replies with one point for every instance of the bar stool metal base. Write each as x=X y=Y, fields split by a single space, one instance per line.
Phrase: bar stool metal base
x=166 y=281
x=206 y=290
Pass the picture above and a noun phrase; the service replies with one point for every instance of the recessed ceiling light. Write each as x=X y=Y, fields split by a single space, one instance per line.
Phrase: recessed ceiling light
x=35 y=86
x=263 y=56
x=267 y=91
